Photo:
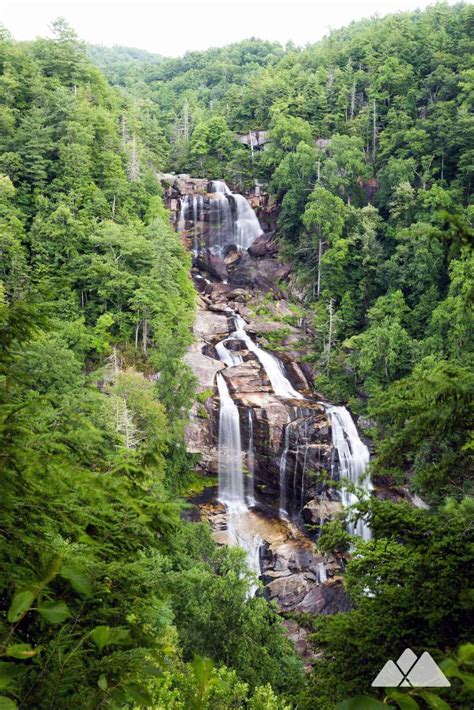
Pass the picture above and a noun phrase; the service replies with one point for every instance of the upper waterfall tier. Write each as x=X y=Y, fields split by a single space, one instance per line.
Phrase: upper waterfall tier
x=218 y=220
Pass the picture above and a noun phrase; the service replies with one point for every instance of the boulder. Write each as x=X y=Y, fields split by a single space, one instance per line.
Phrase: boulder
x=289 y=592
x=247 y=377
x=328 y=598
x=213 y=265
x=319 y=512
x=203 y=367
x=263 y=246
x=271 y=270
x=211 y=326
x=259 y=246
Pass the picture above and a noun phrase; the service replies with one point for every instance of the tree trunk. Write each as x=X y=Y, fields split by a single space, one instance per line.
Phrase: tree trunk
x=353 y=96
x=374 y=132
x=320 y=256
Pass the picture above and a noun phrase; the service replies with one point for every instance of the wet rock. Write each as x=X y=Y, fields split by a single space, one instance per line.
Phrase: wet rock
x=247 y=377
x=232 y=257
x=213 y=265
x=296 y=376
x=208 y=325
x=328 y=598
x=290 y=591
x=319 y=512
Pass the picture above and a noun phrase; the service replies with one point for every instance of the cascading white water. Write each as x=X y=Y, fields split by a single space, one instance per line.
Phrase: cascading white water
x=274 y=369
x=251 y=543
x=247 y=226
x=231 y=480
x=221 y=222
x=354 y=457
x=219 y=186
x=280 y=384
x=182 y=214
x=231 y=476
x=322 y=576
x=197 y=216
x=192 y=210
x=250 y=462
x=228 y=357
x=231 y=219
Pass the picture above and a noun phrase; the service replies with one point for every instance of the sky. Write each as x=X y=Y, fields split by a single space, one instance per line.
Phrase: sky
x=172 y=28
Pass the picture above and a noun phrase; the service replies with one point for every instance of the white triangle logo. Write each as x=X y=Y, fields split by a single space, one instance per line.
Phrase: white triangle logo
x=410 y=671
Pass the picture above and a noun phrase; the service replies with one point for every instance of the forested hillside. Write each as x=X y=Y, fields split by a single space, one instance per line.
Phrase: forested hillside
x=109 y=597
x=106 y=595
x=369 y=156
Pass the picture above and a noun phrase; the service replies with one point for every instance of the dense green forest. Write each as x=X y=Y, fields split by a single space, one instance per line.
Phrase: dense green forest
x=109 y=597
x=370 y=158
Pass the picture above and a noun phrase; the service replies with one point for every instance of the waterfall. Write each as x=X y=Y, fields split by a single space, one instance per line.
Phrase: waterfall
x=247 y=226
x=354 y=458
x=219 y=186
x=182 y=214
x=322 y=576
x=228 y=357
x=197 y=217
x=280 y=384
x=238 y=535
x=283 y=511
x=231 y=219
x=221 y=222
x=250 y=463
x=273 y=367
x=231 y=476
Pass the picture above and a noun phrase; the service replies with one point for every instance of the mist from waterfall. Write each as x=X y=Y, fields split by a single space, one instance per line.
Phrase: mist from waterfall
x=353 y=458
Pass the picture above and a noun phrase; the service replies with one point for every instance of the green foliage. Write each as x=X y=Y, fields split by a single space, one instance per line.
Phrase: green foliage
x=410 y=588
x=423 y=428
x=96 y=308
x=334 y=538
x=108 y=598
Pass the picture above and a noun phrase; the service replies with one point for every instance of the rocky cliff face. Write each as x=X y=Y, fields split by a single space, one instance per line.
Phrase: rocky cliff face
x=286 y=442
x=298 y=430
